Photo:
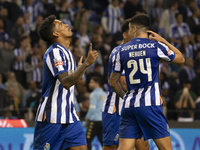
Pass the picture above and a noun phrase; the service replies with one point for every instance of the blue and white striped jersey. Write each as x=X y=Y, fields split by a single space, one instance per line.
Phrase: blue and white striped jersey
x=113 y=103
x=140 y=60
x=113 y=21
x=19 y=65
x=56 y=105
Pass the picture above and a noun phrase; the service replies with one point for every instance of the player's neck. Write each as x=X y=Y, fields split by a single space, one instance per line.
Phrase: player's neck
x=142 y=35
x=64 y=43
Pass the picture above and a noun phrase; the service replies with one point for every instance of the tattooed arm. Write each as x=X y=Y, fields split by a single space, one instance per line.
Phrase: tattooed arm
x=114 y=83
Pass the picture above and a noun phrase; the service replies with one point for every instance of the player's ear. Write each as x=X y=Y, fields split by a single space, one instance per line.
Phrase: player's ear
x=55 y=34
x=124 y=35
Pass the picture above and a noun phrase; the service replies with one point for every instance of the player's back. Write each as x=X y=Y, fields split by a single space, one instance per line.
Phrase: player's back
x=140 y=59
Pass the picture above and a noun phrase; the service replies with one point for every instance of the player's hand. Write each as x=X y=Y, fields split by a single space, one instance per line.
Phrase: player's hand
x=155 y=36
x=80 y=61
x=91 y=57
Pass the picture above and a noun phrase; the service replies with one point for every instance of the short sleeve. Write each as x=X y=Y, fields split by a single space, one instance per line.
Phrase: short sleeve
x=57 y=61
x=117 y=67
x=164 y=52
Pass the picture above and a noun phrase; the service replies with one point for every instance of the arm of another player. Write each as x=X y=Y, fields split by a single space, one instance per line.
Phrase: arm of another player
x=114 y=83
x=69 y=80
x=179 y=59
x=122 y=82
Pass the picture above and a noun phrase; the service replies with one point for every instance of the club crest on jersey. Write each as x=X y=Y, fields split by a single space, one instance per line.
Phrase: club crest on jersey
x=116 y=137
x=58 y=61
x=169 y=52
x=47 y=146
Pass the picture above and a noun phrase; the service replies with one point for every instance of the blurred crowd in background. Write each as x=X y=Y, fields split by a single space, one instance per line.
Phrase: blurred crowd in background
x=97 y=22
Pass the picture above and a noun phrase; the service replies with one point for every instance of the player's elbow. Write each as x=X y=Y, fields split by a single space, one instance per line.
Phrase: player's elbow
x=179 y=60
x=66 y=86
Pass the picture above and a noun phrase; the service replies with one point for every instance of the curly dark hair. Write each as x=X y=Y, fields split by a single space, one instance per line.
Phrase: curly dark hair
x=124 y=26
x=45 y=30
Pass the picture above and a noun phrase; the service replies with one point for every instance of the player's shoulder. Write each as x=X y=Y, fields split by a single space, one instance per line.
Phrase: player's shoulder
x=161 y=45
x=116 y=49
x=55 y=47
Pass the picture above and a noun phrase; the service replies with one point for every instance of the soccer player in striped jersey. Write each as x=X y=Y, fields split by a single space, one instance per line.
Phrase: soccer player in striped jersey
x=113 y=104
x=57 y=125
x=142 y=112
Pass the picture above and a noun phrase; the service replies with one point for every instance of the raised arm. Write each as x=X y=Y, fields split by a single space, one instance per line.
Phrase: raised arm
x=179 y=59
x=69 y=80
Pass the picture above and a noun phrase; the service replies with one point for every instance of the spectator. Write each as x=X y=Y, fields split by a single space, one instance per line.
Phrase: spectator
x=168 y=18
x=82 y=17
x=17 y=30
x=4 y=15
x=7 y=114
x=187 y=73
x=12 y=102
x=27 y=24
x=164 y=91
x=34 y=29
x=2 y=96
x=34 y=8
x=178 y=30
x=20 y=56
x=7 y=56
x=13 y=11
x=156 y=15
x=64 y=14
x=112 y=17
x=186 y=48
x=84 y=105
x=32 y=91
x=33 y=66
x=185 y=102
x=193 y=21
x=31 y=99
x=197 y=60
x=131 y=8
x=197 y=42
x=4 y=36
x=197 y=109
x=17 y=88
x=196 y=83
x=94 y=114
x=83 y=35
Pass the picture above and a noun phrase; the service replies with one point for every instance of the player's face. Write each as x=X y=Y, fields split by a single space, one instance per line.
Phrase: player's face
x=62 y=29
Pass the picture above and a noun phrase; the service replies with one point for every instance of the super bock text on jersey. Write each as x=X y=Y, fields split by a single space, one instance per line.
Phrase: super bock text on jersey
x=140 y=59
x=56 y=105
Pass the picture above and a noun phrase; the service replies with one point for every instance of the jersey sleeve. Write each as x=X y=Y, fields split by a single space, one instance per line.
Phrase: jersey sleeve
x=164 y=52
x=57 y=62
x=117 y=67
